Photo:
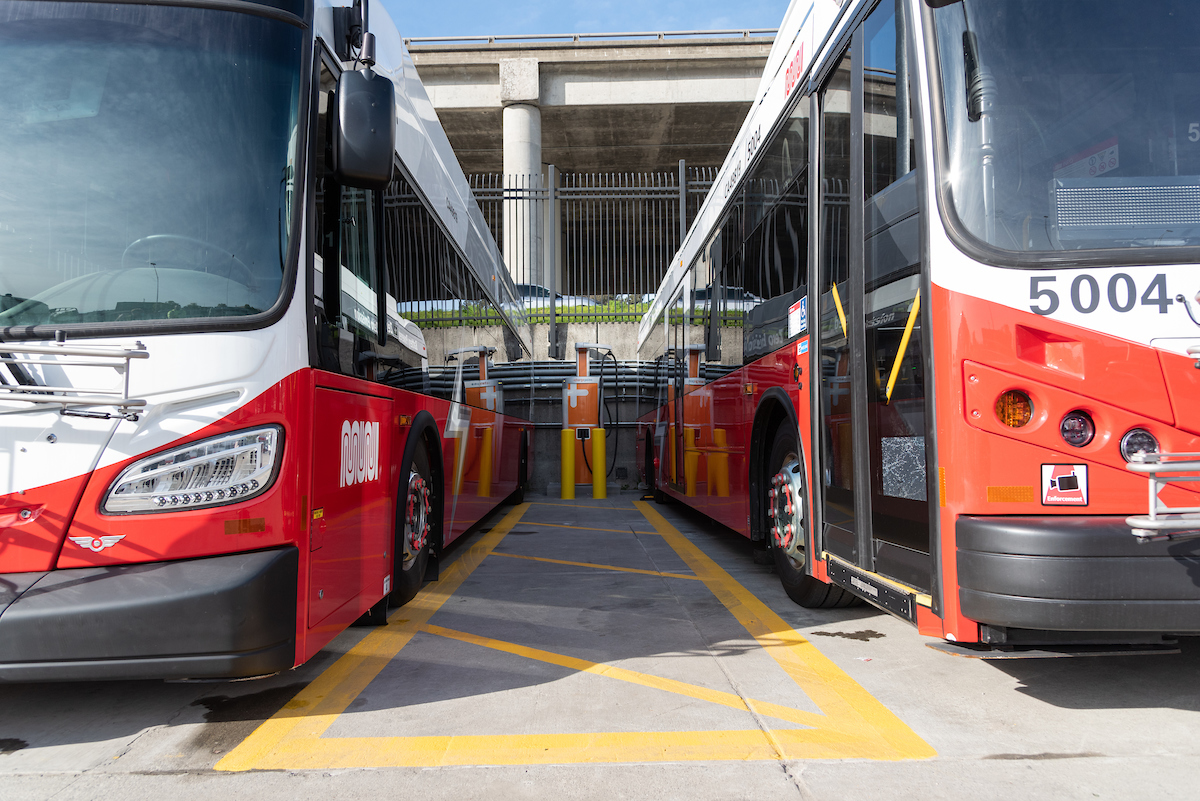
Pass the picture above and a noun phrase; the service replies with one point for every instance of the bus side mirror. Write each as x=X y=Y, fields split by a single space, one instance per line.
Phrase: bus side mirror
x=366 y=130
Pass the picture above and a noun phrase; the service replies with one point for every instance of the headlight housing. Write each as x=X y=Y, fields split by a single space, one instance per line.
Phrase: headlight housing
x=217 y=471
x=1136 y=441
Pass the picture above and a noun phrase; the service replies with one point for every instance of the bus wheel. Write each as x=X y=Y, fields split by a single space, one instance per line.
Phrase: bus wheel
x=787 y=509
x=412 y=546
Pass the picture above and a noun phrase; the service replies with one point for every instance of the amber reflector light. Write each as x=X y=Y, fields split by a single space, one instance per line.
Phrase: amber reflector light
x=1014 y=408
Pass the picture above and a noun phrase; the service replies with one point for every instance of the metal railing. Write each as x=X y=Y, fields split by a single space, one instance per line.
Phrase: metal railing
x=1164 y=522
x=590 y=247
x=26 y=362
x=744 y=33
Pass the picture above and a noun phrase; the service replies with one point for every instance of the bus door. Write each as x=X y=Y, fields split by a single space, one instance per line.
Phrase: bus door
x=350 y=514
x=872 y=348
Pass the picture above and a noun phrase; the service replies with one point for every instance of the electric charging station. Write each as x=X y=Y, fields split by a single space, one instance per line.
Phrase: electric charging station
x=473 y=454
x=583 y=436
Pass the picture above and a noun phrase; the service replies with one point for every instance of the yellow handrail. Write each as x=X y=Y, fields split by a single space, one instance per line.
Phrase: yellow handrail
x=908 y=329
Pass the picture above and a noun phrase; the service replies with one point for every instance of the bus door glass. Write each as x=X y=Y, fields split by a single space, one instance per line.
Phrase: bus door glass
x=872 y=349
x=677 y=354
x=895 y=385
x=837 y=325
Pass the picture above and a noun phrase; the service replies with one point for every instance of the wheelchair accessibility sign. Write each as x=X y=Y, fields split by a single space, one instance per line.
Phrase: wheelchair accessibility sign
x=1064 y=485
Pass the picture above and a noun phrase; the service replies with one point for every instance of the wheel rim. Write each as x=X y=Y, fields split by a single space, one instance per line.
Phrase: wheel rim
x=785 y=507
x=416 y=517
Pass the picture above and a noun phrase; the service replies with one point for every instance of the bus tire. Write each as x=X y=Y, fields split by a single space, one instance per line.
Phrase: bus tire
x=416 y=517
x=809 y=592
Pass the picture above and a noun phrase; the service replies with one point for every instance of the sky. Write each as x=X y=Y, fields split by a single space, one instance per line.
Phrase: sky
x=501 y=17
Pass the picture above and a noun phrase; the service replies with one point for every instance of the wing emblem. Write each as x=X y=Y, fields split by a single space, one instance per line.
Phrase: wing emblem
x=97 y=544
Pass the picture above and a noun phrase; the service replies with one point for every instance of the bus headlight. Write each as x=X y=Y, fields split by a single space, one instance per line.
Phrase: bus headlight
x=1077 y=428
x=221 y=470
x=1139 y=440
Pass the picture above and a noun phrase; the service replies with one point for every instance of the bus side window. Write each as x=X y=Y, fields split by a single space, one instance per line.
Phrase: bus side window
x=776 y=240
x=346 y=234
x=888 y=145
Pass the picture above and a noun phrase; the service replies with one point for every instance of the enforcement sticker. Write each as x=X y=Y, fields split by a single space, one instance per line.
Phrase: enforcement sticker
x=1064 y=485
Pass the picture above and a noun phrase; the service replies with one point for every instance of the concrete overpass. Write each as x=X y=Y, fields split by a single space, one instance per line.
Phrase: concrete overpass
x=592 y=102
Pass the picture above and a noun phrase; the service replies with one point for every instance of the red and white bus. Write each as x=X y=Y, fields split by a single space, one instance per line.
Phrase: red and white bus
x=249 y=303
x=979 y=337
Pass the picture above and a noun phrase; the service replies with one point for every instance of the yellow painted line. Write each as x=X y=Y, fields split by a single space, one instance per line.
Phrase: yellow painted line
x=313 y=710
x=852 y=724
x=599 y=567
x=589 y=528
x=633 y=677
x=873 y=731
x=585 y=506
x=342 y=753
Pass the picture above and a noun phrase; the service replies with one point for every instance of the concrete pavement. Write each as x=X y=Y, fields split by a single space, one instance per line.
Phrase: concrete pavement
x=618 y=649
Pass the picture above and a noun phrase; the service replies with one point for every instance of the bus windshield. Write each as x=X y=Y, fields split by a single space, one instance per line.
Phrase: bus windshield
x=147 y=155
x=1074 y=124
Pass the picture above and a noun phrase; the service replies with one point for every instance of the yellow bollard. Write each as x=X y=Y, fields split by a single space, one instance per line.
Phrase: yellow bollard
x=672 y=476
x=568 y=464
x=460 y=460
x=599 y=471
x=718 y=465
x=691 y=461
x=484 y=489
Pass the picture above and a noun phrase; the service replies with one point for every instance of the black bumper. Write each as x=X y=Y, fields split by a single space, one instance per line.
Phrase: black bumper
x=220 y=617
x=1075 y=574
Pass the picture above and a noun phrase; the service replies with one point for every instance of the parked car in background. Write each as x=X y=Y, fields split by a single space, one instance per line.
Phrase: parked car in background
x=735 y=298
x=537 y=296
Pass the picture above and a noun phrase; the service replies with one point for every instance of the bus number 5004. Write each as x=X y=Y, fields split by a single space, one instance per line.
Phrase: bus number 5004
x=1086 y=293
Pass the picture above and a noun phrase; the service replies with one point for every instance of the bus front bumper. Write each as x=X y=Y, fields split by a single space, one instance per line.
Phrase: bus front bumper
x=1074 y=573
x=219 y=617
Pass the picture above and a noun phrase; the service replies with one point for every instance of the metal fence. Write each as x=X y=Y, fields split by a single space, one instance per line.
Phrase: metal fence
x=586 y=247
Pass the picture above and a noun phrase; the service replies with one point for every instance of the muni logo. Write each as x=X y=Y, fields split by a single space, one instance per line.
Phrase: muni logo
x=360 y=452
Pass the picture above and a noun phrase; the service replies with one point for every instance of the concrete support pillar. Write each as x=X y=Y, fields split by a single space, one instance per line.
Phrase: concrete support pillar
x=524 y=189
x=522 y=139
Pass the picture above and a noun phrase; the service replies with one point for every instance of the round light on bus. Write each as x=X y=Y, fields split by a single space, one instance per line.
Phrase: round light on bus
x=1077 y=428
x=1014 y=408
x=1139 y=440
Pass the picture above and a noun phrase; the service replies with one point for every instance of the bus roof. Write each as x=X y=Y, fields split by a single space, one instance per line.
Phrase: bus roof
x=808 y=27
x=433 y=168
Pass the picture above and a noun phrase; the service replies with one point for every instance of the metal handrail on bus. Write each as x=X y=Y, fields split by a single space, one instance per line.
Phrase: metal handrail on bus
x=1164 y=522
x=20 y=356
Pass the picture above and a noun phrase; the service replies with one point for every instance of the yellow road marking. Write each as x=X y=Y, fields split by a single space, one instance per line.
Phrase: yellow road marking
x=850 y=708
x=313 y=710
x=852 y=724
x=588 y=528
x=599 y=567
x=342 y=753
x=585 y=506
x=633 y=677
